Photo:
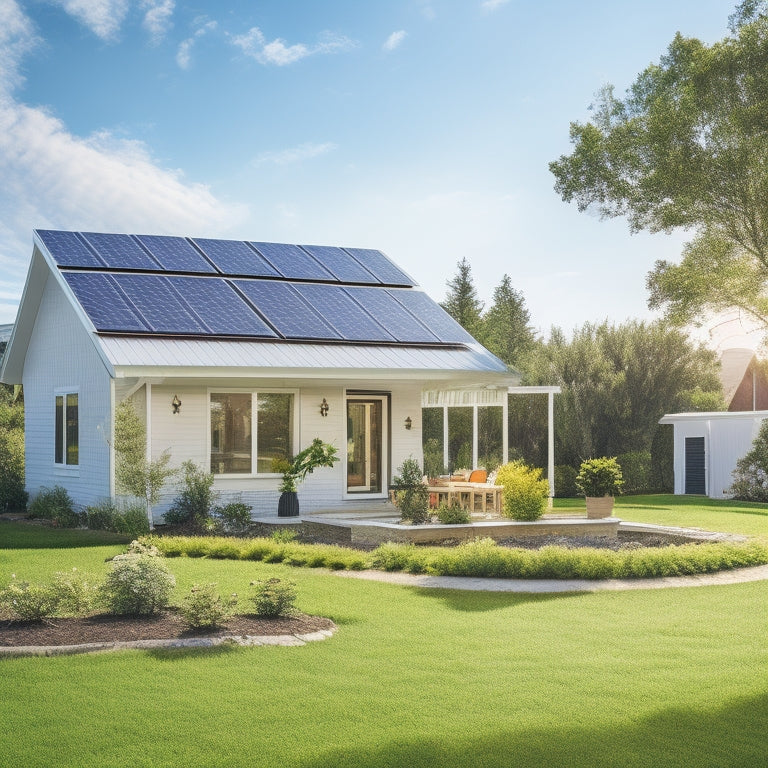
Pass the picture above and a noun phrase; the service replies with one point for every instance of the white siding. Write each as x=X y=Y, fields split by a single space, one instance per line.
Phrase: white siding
x=186 y=436
x=61 y=356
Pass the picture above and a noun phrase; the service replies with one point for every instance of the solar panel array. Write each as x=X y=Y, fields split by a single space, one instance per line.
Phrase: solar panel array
x=150 y=284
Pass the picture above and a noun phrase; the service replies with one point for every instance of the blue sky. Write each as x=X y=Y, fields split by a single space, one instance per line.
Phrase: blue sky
x=420 y=127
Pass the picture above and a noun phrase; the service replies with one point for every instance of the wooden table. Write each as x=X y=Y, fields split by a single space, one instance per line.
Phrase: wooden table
x=467 y=495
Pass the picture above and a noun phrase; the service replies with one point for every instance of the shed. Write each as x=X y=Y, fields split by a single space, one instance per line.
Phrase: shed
x=707 y=446
x=236 y=354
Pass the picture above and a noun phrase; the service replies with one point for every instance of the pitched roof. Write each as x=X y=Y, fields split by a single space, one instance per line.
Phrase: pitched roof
x=197 y=302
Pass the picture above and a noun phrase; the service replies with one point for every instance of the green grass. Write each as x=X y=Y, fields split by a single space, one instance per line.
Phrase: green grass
x=685 y=511
x=414 y=677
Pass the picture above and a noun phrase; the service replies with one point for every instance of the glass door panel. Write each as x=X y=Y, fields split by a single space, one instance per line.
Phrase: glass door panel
x=364 y=446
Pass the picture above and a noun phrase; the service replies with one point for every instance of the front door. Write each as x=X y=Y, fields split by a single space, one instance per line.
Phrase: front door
x=366 y=462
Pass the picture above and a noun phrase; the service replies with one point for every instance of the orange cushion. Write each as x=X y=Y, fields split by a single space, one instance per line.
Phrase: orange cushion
x=478 y=476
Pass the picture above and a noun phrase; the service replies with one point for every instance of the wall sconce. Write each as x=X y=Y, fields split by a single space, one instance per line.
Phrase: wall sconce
x=176 y=403
x=408 y=422
x=324 y=408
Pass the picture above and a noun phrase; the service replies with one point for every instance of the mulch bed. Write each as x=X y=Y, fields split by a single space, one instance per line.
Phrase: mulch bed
x=165 y=626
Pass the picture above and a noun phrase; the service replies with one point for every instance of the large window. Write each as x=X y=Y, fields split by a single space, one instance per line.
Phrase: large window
x=250 y=431
x=66 y=449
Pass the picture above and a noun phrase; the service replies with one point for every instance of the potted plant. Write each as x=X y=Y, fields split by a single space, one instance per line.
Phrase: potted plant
x=599 y=480
x=317 y=454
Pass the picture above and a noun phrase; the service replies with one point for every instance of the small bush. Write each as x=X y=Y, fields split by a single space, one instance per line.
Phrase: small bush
x=636 y=471
x=525 y=492
x=12 y=493
x=204 y=608
x=192 y=507
x=283 y=535
x=55 y=504
x=137 y=584
x=565 y=482
x=108 y=516
x=29 y=602
x=600 y=477
x=234 y=517
x=413 y=499
x=77 y=593
x=274 y=597
x=392 y=556
x=453 y=514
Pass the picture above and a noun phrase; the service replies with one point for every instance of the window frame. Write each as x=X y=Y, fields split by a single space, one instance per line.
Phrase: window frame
x=64 y=465
x=254 y=393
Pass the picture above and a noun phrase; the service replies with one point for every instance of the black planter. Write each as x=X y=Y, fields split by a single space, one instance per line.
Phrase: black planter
x=288 y=506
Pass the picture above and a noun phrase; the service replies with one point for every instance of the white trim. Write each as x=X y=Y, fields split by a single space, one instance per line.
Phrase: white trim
x=63 y=467
x=672 y=418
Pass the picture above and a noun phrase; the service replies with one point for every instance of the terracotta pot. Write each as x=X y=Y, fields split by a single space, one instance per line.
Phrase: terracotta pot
x=599 y=506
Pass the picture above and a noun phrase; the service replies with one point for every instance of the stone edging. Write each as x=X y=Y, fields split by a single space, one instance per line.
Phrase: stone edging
x=188 y=642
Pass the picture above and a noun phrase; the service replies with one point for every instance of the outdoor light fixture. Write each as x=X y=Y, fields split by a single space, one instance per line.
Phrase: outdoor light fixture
x=324 y=407
x=408 y=422
x=176 y=403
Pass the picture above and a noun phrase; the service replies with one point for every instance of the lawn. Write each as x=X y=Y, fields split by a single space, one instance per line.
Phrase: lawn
x=413 y=677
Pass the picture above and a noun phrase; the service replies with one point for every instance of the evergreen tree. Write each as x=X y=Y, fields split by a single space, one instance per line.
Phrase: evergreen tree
x=506 y=330
x=462 y=302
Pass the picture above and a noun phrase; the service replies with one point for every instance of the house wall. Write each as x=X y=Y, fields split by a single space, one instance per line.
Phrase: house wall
x=62 y=357
x=186 y=436
x=726 y=440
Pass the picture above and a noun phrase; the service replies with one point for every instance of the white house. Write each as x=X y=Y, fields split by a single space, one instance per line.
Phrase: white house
x=707 y=447
x=235 y=354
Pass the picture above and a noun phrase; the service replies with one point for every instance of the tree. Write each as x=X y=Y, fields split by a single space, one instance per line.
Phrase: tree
x=617 y=382
x=688 y=148
x=134 y=474
x=462 y=302
x=12 y=493
x=506 y=330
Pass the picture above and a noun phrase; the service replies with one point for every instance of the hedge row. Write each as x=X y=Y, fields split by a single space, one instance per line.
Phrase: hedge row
x=482 y=557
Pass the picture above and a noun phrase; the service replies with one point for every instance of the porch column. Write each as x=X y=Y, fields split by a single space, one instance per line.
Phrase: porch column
x=551 y=443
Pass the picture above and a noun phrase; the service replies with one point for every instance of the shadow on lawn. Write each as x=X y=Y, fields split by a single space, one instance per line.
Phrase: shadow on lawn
x=474 y=602
x=30 y=536
x=730 y=737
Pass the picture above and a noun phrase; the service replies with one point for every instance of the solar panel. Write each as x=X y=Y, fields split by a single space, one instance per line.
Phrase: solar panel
x=103 y=303
x=292 y=262
x=286 y=310
x=159 y=304
x=392 y=315
x=68 y=249
x=380 y=265
x=234 y=257
x=433 y=315
x=344 y=266
x=343 y=313
x=121 y=251
x=175 y=254
x=218 y=305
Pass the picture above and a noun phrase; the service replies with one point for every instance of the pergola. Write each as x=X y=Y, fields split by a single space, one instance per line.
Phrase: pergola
x=483 y=404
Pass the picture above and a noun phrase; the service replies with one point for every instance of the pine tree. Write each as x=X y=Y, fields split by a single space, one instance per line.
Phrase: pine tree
x=462 y=302
x=506 y=329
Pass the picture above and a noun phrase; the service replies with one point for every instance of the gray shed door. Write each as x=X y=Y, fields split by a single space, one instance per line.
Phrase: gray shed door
x=694 y=465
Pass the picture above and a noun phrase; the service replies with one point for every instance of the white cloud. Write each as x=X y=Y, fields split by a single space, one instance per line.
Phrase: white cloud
x=295 y=154
x=102 y=17
x=157 y=19
x=277 y=52
x=52 y=178
x=394 y=40
x=492 y=5
x=184 y=53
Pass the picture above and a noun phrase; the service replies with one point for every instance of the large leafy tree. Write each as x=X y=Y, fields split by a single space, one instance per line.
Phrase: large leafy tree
x=506 y=325
x=462 y=302
x=687 y=147
x=617 y=382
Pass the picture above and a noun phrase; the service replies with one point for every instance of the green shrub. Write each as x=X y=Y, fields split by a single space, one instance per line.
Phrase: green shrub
x=29 y=602
x=392 y=556
x=525 y=492
x=108 y=516
x=192 y=507
x=636 y=471
x=750 y=478
x=453 y=514
x=600 y=477
x=565 y=481
x=12 y=493
x=77 y=593
x=273 y=597
x=55 y=504
x=137 y=584
x=235 y=516
x=413 y=499
x=204 y=608
x=283 y=535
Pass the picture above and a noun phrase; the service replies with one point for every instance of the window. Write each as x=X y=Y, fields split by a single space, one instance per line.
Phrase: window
x=250 y=431
x=66 y=449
